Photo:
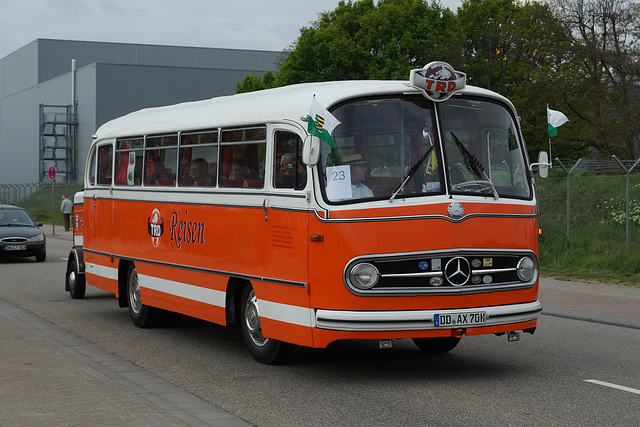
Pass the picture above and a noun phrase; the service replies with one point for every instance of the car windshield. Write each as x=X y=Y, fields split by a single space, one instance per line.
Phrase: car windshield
x=389 y=148
x=15 y=217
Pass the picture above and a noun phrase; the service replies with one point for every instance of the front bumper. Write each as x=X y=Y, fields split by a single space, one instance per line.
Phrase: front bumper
x=420 y=320
x=32 y=249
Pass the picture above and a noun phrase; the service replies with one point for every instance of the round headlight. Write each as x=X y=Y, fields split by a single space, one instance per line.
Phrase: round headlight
x=364 y=276
x=526 y=269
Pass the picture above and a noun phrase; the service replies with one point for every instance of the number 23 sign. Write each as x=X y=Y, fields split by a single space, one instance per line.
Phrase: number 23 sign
x=339 y=182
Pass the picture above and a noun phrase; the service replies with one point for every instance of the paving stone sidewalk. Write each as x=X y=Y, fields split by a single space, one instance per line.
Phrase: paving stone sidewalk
x=612 y=304
x=49 y=376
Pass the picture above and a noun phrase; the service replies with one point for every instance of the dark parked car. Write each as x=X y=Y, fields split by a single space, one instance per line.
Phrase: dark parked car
x=20 y=235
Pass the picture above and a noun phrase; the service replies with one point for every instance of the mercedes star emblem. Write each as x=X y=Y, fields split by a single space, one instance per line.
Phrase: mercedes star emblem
x=455 y=210
x=457 y=271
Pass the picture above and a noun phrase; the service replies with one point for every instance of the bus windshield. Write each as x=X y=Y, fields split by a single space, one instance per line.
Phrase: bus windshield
x=387 y=148
x=484 y=156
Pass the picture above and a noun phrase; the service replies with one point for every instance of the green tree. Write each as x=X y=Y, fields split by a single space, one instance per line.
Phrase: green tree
x=253 y=82
x=514 y=48
x=365 y=40
x=489 y=29
x=540 y=48
x=601 y=77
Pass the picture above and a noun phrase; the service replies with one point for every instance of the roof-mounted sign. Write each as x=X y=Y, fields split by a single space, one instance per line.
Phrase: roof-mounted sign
x=437 y=80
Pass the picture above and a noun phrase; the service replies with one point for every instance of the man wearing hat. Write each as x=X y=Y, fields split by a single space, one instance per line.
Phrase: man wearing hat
x=358 y=172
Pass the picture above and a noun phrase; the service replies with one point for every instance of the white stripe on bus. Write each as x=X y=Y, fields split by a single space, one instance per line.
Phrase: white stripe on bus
x=102 y=271
x=183 y=290
x=269 y=310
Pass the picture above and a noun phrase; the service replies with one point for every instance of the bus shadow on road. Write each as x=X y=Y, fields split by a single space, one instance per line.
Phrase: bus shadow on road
x=362 y=358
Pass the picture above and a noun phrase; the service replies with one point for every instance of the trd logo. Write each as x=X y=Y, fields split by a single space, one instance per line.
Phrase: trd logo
x=155 y=227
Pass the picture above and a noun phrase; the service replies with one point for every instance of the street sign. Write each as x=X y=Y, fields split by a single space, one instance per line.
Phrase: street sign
x=52 y=173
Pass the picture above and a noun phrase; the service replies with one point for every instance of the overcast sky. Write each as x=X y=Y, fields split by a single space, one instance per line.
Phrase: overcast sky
x=236 y=24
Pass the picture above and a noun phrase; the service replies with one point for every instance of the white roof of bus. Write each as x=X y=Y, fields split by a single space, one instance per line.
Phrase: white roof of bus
x=266 y=106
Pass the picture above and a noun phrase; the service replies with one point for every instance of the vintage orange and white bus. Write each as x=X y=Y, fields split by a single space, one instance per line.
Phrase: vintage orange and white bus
x=415 y=220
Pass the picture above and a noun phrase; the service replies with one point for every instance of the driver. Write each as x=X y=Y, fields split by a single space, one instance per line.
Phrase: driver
x=359 y=168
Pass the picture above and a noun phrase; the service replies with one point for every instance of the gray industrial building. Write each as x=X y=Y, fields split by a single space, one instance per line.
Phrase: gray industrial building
x=54 y=94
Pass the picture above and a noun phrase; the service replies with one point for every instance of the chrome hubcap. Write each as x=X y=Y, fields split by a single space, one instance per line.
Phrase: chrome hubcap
x=134 y=292
x=72 y=279
x=252 y=320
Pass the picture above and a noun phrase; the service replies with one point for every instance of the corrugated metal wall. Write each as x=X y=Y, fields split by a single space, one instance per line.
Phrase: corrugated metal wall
x=112 y=79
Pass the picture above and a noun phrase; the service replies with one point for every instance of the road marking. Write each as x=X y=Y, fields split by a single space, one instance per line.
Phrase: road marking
x=619 y=387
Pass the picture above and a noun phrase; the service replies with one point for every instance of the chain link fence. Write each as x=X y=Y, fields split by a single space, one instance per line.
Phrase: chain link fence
x=41 y=200
x=591 y=204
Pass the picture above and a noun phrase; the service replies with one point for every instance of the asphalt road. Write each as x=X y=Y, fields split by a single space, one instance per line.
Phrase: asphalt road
x=544 y=379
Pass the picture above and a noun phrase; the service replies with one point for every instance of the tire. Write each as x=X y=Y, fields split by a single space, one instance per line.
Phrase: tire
x=41 y=257
x=75 y=282
x=142 y=315
x=437 y=345
x=263 y=350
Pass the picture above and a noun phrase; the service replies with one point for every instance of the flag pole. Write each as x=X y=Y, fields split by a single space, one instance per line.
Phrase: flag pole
x=549 y=136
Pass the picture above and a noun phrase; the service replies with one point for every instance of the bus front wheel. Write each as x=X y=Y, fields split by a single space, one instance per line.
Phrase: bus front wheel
x=437 y=345
x=264 y=350
x=142 y=315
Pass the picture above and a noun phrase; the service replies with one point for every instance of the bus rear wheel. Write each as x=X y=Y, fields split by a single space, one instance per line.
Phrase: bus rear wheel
x=437 y=345
x=264 y=350
x=142 y=315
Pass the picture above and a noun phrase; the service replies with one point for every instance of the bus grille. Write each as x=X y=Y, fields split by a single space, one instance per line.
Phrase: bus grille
x=446 y=272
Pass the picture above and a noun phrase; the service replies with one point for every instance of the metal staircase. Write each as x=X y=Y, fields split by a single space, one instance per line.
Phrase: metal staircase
x=58 y=126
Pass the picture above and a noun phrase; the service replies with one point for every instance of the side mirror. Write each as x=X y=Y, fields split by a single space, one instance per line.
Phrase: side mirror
x=543 y=164
x=311 y=150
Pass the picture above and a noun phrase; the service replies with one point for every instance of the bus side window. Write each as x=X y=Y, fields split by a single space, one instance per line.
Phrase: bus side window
x=198 y=159
x=161 y=160
x=289 y=171
x=129 y=155
x=92 y=169
x=105 y=160
x=243 y=155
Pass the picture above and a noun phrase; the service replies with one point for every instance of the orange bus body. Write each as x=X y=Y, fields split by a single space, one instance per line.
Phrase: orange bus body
x=195 y=249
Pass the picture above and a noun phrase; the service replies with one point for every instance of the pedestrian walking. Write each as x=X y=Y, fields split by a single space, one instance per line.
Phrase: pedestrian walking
x=66 y=207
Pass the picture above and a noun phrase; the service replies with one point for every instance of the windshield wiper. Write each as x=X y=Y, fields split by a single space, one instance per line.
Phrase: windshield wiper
x=412 y=172
x=475 y=164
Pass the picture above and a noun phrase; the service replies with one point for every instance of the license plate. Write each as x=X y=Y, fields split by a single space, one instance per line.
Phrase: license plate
x=15 y=248
x=460 y=319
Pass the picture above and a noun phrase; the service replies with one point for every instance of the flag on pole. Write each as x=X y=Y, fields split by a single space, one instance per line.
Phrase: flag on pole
x=555 y=119
x=321 y=122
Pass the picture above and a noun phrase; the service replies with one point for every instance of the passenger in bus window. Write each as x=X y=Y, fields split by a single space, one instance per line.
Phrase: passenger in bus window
x=286 y=171
x=238 y=172
x=358 y=166
x=290 y=172
x=199 y=173
x=237 y=175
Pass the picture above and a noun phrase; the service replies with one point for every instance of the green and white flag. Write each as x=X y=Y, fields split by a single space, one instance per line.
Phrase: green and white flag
x=555 y=119
x=321 y=122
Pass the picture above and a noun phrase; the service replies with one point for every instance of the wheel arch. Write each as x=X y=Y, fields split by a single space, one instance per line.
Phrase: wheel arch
x=123 y=269
x=233 y=299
